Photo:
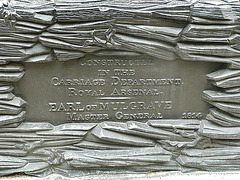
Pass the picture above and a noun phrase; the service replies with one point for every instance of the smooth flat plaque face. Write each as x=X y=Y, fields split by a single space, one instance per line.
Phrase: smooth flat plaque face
x=96 y=89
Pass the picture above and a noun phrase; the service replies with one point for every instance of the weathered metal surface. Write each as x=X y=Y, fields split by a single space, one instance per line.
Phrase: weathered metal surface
x=196 y=41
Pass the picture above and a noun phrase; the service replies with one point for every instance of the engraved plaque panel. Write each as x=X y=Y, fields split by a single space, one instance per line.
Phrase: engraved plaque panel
x=95 y=89
x=142 y=87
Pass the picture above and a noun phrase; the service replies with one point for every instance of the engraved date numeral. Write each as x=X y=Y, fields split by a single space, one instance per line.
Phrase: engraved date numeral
x=191 y=115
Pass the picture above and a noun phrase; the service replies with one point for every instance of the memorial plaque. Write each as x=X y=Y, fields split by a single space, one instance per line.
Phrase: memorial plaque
x=107 y=86
x=96 y=89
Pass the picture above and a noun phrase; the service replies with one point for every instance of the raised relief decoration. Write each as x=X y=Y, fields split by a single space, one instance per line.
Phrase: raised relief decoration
x=119 y=86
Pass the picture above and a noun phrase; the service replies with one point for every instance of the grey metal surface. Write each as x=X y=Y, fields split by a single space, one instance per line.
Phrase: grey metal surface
x=196 y=41
x=75 y=92
x=149 y=176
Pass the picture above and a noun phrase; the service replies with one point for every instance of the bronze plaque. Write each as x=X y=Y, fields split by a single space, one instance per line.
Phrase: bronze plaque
x=119 y=86
x=96 y=89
